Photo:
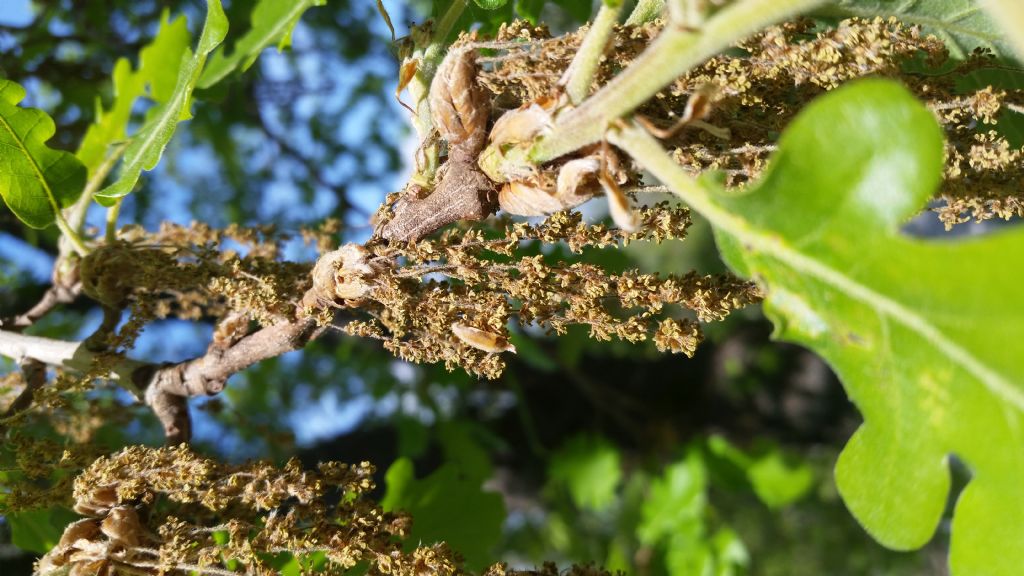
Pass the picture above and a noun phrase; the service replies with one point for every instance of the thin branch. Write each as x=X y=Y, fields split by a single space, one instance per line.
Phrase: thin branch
x=75 y=356
x=166 y=387
x=645 y=11
x=208 y=374
x=34 y=374
x=54 y=296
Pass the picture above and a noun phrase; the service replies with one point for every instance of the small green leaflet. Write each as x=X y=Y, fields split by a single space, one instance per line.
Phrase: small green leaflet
x=447 y=506
x=676 y=502
x=960 y=24
x=35 y=180
x=490 y=4
x=776 y=481
x=925 y=335
x=39 y=530
x=158 y=64
x=146 y=147
x=591 y=468
x=272 y=23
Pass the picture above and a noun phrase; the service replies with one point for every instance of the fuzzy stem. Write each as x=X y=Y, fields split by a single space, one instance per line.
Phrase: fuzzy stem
x=580 y=74
x=428 y=57
x=673 y=53
x=76 y=213
x=77 y=244
x=645 y=11
x=112 y=213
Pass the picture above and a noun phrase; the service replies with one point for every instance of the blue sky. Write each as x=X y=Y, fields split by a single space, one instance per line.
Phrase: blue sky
x=320 y=417
x=16 y=12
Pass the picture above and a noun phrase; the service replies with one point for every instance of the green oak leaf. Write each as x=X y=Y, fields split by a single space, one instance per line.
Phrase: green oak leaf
x=272 y=23
x=147 y=145
x=158 y=64
x=449 y=506
x=490 y=4
x=530 y=10
x=961 y=24
x=676 y=502
x=36 y=181
x=39 y=530
x=924 y=335
x=592 y=469
x=776 y=481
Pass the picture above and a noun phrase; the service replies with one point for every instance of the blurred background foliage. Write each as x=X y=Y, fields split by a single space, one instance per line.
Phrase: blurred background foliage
x=589 y=452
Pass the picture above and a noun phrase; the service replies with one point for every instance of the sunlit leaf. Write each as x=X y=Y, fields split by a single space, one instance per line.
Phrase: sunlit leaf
x=156 y=77
x=921 y=333
x=961 y=24
x=272 y=23
x=148 y=144
x=35 y=180
x=591 y=468
x=917 y=331
x=676 y=501
x=39 y=530
x=449 y=506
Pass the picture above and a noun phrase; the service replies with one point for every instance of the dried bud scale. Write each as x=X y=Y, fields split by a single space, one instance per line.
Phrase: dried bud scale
x=263 y=509
x=459 y=106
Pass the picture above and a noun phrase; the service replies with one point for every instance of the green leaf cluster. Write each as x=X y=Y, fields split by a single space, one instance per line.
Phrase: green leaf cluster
x=155 y=79
x=147 y=145
x=36 y=181
x=272 y=23
x=916 y=330
x=450 y=504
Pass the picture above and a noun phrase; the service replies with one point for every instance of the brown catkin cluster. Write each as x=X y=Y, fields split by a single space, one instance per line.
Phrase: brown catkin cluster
x=762 y=85
x=169 y=510
x=154 y=511
x=453 y=298
x=192 y=272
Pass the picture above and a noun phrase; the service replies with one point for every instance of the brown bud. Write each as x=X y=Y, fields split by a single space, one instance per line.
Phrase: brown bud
x=85 y=530
x=514 y=128
x=524 y=199
x=481 y=339
x=459 y=106
x=344 y=274
x=406 y=73
x=122 y=526
x=618 y=206
x=98 y=501
x=575 y=185
x=521 y=125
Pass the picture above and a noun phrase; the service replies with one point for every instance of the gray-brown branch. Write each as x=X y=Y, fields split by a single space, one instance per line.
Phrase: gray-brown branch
x=166 y=387
x=460 y=109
